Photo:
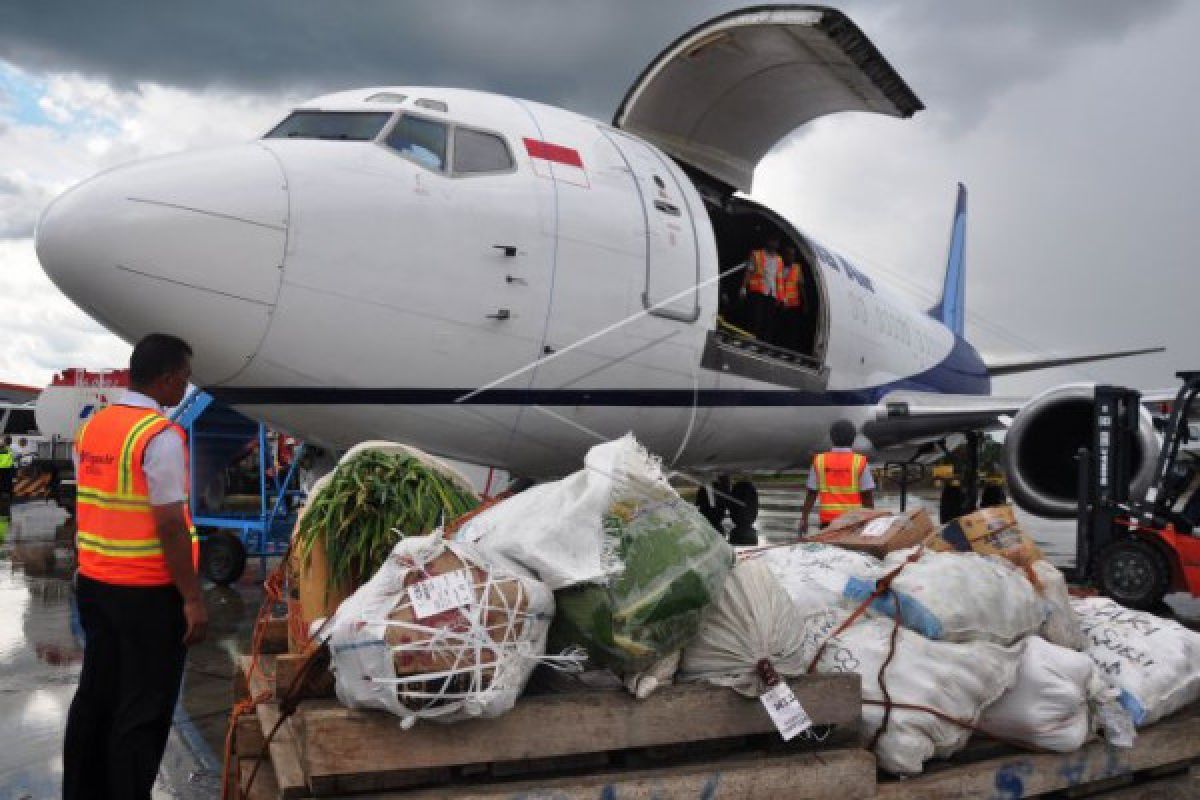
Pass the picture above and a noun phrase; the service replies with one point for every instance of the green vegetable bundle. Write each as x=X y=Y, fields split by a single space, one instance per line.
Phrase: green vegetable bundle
x=371 y=500
x=675 y=567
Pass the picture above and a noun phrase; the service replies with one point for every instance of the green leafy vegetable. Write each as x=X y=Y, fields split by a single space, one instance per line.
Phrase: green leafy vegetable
x=675 y=566
x=370 y=502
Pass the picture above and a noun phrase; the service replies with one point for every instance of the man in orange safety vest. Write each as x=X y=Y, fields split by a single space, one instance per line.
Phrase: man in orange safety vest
x=759 y=285
x=789 y=295
x=136 y=589
x=840 y=479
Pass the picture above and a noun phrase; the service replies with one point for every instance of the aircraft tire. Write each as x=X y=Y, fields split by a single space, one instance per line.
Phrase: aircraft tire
x=745 y=511
x=713 y=513
x=222 y=558
x=1134 y=572
x=952 y=503
x=993 y=496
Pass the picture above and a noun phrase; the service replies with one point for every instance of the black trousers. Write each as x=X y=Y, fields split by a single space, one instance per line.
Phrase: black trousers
x=132 y=667
x=6 y=480
x=762 y=316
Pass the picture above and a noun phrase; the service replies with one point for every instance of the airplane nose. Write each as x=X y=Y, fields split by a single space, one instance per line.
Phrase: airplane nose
x=191 y=244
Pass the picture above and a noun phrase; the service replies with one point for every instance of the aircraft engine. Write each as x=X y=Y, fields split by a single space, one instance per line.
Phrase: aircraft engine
x=1041 y=445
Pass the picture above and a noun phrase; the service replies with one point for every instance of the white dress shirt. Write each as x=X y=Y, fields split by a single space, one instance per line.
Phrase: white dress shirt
x=164 y=462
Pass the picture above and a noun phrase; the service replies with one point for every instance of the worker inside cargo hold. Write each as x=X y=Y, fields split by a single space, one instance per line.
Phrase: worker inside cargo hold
x=760 y=284
x=840 y=479
x=790 y=321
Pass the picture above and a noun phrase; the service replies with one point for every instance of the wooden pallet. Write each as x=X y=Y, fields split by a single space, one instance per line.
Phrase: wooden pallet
x=1171 y=746
x=684 y=736
x=684 y=742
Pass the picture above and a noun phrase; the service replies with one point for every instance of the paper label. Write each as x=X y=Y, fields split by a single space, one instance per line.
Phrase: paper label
x=441 y=593
x=877 y=527
x=786 y=712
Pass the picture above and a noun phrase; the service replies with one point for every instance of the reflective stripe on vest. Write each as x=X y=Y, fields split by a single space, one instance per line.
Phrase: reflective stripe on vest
x=787 y=287
x=756 y=281
x=6 y=459
x=838 y=481
x=117 y=536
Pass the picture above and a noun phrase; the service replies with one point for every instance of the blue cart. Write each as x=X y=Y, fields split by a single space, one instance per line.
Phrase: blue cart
x=218 y=438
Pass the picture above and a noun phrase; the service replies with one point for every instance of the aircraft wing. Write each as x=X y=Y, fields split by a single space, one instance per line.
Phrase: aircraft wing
x=906 y=417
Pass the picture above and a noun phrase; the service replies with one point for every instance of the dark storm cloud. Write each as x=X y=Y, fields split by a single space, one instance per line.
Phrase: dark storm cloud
x=578 y=53
x=962 y=56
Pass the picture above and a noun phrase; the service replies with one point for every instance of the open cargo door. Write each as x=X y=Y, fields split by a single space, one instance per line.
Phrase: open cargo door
x=723 y=94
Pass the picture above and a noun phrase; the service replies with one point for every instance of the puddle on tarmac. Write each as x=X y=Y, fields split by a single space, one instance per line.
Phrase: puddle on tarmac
x=41 y=648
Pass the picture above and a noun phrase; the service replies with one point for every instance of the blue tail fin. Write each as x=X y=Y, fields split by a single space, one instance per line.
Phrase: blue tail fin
x=951 y=310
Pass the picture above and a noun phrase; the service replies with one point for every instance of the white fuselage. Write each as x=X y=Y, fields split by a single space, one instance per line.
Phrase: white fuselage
x=342 y=292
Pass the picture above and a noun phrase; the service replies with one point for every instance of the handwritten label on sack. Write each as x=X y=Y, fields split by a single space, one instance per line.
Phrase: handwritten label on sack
x=786 y=712
x=877 y=527
x=441 y=593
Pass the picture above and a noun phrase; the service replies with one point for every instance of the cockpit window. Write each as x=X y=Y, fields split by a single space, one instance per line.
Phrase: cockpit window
x=476 y=151
x=422 y=140
x=350 y=126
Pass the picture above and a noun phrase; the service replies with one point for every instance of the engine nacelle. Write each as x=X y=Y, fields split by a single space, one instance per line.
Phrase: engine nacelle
x=1041 y=446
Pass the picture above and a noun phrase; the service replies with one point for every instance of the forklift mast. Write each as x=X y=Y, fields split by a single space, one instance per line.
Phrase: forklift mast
x=1104 y=472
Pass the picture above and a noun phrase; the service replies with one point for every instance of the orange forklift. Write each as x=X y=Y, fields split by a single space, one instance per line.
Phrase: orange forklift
x=1137 y=549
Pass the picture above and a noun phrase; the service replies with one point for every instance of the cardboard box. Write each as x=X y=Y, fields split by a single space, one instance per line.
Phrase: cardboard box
x=989 y=531
x=878 y=532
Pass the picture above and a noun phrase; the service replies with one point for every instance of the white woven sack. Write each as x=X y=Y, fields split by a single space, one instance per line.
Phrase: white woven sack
x=958 y=680
x=754 y=620
x=1155 y=662
x=1062 y=623
x=555 y=530
x=1047 y=707
x=816 y=575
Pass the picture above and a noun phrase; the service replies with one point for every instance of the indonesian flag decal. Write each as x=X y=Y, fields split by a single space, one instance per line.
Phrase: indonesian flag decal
x=557 y=161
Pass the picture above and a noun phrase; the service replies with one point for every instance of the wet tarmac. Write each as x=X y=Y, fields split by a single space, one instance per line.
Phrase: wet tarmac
x=41 y=649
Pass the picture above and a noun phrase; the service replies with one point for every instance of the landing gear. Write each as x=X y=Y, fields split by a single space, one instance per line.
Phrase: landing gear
x=713 y=512
x=222 y=558
x=993 y=496
x=953 y=501
x=740 y=501
x=743 y=510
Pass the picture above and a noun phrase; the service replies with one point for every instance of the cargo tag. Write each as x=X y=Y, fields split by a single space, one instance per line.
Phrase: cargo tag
x=441 y=593
x=786 y=712
x=877 y=527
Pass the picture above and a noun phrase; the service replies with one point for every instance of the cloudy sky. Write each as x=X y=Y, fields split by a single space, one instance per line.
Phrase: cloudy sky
x=1073 y=123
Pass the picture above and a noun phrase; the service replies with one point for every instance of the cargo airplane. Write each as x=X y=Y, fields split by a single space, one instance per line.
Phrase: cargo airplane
x=502 y=282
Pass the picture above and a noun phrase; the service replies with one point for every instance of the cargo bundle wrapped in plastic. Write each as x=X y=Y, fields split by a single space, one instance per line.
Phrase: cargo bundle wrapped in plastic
x=921 y=698
x=634 y=565
x=1154 y=662
x=442 y=631
x=754 y=621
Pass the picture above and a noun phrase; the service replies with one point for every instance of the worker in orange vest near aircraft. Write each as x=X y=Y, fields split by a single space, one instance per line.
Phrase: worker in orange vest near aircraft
x=137 y=590
x=839 y=479
x=789 y=294
x=759 y=284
